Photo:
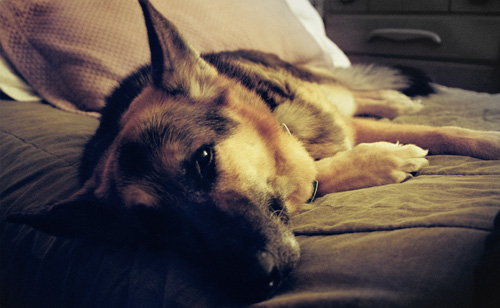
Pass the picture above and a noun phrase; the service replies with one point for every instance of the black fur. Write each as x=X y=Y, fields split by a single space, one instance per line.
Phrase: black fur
x=271 y=93
x=420 y=84
x=117 y=104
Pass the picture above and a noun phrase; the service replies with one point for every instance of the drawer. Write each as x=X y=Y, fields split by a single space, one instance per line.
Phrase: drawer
x=409 y=5
x=387 y=5
x=444 y=37
x=483 y=6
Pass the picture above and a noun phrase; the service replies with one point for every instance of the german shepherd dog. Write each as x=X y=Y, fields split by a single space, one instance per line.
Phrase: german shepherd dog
x=211 y=153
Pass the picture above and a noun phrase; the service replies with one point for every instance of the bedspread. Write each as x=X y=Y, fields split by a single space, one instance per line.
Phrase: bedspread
x=415 y=244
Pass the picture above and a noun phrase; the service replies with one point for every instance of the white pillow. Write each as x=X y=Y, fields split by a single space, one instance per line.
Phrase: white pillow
x=12 y=85
x=312 y=22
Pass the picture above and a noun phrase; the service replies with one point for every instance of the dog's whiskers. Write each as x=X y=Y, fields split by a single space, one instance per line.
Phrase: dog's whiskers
x=280 y=214
x=286 y=128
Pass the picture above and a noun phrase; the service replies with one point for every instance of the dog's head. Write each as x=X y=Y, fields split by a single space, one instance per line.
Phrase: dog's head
x=200 y=163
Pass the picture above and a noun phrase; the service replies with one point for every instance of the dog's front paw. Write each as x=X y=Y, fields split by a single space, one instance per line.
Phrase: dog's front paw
x=369 y=164
x=388 y=163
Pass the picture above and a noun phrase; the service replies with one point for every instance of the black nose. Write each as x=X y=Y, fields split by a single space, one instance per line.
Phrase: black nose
x=258 y=278
x=266 y=276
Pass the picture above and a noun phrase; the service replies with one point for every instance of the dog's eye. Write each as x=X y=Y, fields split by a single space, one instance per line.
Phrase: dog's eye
x=203 y=158
x=203 y=162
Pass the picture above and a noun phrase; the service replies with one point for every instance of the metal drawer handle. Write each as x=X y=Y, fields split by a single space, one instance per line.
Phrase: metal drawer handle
x=396 y=34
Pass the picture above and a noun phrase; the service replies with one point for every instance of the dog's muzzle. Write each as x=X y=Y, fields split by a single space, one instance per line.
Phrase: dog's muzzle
x=248 y=251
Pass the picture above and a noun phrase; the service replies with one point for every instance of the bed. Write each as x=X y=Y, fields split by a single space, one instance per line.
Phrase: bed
x=432 y=241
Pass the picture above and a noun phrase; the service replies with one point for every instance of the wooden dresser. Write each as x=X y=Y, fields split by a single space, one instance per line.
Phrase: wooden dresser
x=457 y=42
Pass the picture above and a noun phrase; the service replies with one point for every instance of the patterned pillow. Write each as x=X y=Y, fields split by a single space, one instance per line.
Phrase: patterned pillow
x=73 y=53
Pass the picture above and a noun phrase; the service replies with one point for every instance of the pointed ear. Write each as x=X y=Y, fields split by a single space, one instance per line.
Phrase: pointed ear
x=78 y=217
x=176 y=66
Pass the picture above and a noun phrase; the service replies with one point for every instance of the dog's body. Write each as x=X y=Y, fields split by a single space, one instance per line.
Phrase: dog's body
x=193 y=147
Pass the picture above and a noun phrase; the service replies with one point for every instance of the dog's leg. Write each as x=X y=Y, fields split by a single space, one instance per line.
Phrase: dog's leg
x=438 y=140
x=384 y=103
x=379 y=159
x=367 y=165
